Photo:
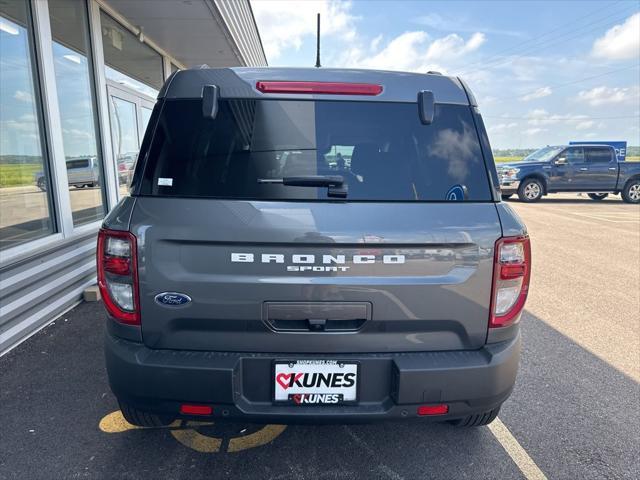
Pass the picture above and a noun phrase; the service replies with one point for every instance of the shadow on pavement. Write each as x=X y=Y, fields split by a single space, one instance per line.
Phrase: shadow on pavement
x=575 y=415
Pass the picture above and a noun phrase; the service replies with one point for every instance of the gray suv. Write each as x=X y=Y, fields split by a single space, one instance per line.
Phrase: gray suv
x=253 y=276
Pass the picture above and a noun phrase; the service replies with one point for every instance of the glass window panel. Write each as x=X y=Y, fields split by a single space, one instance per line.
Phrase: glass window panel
x=129 y=61
x=77 y=117
x=124 y=131
x=146 y=116
x=252 y=145
x=25 y=212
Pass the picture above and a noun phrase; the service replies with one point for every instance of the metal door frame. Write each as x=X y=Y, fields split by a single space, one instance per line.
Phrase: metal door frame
x=139 y=100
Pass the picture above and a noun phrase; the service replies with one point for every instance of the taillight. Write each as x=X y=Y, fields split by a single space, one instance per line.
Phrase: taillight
x=118 y=275
x=327 y=88
x=511 y=274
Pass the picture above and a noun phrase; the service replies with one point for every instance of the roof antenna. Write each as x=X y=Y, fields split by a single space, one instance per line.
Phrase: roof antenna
x=318 y=45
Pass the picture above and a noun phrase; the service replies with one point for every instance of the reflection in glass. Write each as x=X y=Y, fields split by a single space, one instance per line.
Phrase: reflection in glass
x=73 y=82
x=24 y=204
x=146 y=116
x=124 y=131
x=129 y=61
x=127 y=81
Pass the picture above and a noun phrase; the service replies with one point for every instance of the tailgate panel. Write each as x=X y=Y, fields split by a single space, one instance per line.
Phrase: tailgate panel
x=423 y=269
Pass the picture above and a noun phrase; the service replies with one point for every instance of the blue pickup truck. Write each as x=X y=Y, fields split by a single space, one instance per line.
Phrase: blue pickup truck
x=593 y=169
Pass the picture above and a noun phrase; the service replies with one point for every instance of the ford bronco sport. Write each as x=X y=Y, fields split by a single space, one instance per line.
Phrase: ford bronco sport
x=313 y=245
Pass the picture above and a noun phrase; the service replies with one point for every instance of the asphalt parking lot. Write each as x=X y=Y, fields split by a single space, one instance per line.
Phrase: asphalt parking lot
x=575 y=412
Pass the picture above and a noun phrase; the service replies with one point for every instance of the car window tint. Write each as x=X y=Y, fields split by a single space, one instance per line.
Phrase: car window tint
x=574 y=155
x=599 y=155
x=382 y=151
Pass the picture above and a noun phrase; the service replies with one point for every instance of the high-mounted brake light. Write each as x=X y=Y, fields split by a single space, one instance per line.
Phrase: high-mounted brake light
x=326 y=88
x=511 y=275
x=118 y=275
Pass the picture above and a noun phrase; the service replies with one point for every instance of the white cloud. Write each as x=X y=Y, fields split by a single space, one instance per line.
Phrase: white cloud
x=539 y=117
x=621 y=42
x=375 y=42
x=284 y=24
x=533 y=131
x=453 y=45
x=539 y=93
x=586 y=125
x=610 y=95
x=458 y=23
x=410 y=51
x=22 y=96
x=502 y=127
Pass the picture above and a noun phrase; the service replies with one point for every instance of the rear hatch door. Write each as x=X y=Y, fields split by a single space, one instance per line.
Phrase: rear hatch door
x=402 y=263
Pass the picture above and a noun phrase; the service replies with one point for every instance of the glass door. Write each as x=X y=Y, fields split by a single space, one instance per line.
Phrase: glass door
x=130 y=113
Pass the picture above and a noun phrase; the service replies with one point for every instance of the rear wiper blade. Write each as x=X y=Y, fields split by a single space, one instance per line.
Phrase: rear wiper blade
x=307 y=181
x=335 y=183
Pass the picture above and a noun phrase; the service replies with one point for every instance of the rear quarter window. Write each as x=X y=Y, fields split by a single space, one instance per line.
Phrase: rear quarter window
x=381 y=150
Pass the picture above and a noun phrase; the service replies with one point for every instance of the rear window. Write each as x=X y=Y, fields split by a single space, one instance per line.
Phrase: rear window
x=78 y=163
x=381 y=150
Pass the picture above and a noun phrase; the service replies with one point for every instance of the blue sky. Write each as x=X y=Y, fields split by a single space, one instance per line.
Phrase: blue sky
x=543 y=72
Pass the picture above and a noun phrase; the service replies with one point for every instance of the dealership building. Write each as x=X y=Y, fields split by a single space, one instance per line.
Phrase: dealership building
x=78 y=81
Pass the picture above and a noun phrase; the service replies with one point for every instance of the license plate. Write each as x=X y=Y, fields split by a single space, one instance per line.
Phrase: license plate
x=315 y=382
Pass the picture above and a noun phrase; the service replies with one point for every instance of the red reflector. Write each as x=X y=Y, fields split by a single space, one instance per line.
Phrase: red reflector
x=433 y=409
x=117 y=265
x=328 y=88
x=196 y=409
x=508 y=272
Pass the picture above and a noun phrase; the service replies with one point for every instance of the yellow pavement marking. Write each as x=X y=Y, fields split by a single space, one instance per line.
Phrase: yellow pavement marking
x=115 y=423
x=520 y=457
x=188 y=435
x=196 y=441
x=256 y=439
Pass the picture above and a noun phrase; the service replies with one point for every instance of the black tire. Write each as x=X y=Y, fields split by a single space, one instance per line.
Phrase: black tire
x=530 y=190
x=143 y=419
x=477 y=420
x=42 y=185
x=506 y=196
x=597 y=196
x=631 y=191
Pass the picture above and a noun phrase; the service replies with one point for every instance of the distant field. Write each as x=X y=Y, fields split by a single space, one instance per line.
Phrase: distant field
x=515 y=159
x=18 y=175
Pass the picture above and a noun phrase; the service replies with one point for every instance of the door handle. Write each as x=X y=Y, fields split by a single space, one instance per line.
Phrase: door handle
x=613 y=169
x=583 y=169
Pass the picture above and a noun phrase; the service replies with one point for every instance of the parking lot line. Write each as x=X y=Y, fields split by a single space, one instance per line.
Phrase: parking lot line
x=520 y=457
x=617 y=217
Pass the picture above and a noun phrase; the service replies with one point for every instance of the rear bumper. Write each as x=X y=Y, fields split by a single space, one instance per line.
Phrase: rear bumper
x=239 y=385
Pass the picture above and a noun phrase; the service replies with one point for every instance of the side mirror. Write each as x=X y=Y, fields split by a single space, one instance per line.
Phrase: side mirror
x=426 y=106
x=210 y=94
x=561 y=161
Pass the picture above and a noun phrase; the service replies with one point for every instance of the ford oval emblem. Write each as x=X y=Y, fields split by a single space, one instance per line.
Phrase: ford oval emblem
x=172 y=299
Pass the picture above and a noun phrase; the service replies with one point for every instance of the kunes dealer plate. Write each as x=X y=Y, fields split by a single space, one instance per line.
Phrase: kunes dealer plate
x=315 y=382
